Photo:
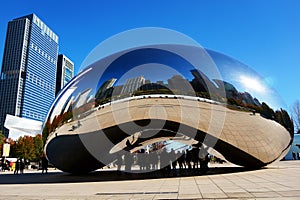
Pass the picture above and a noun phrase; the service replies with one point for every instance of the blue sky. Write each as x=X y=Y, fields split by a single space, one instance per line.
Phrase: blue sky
x=265 y=35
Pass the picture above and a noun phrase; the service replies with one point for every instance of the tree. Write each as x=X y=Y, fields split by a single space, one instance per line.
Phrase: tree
x=283 y=118
x=27 y=147
x=296 y=115
x=2 y=140
x=38 y=147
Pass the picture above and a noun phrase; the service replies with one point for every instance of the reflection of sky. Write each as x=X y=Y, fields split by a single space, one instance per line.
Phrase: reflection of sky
x=246 y=80
x=139 y=62
x=137 y=38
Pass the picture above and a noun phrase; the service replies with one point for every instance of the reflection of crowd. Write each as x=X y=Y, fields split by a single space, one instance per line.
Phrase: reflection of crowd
x=296 y=155
x=193 y=160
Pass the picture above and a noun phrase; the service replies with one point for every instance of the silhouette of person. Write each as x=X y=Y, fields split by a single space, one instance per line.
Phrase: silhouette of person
x=195 y=157
x=204 y=159
x=188 y=159
x=17 y=167
x=164 y=160
x=22 y=166
x=154 y=160
x=141 y=158
x=119 y=161
x=294 y=155
x=128 y=159
x=181 y=160
x=44 y=164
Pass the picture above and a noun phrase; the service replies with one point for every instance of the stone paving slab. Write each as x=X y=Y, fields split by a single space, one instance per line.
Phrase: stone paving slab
x=277 y=181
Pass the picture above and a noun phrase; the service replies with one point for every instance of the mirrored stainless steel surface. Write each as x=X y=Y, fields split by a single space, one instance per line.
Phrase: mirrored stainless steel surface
x=148 y=94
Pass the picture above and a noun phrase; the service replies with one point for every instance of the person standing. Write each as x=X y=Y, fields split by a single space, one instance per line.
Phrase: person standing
x=119 y=161
x=294 y=155
x=22 y=166
x=204 y=159
x=44 y=165
x=17 y=167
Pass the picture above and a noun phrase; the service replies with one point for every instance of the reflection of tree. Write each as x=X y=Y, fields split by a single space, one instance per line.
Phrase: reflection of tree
x=57 y=121
x=148 y=92
x=83 y=110
x=266 y=111
x=283 y=118
x=152 y=88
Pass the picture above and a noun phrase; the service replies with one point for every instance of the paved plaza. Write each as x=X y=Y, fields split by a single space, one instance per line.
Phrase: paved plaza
x=277 y=181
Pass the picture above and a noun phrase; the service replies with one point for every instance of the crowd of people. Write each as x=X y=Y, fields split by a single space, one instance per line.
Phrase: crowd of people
x=171 y=162
x=18 y=165
x=5 y=165
x=296 y=155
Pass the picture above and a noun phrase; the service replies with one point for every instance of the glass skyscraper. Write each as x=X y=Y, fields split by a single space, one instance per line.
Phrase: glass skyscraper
x=65 y=71
x=28 y=75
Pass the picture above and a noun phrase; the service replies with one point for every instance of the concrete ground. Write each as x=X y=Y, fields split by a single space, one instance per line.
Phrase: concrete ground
x=277 y=181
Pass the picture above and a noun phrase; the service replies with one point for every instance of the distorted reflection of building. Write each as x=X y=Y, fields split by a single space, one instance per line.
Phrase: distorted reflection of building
x=178 y=84
x=82 y=98
x=105 y=91
x=132 y=84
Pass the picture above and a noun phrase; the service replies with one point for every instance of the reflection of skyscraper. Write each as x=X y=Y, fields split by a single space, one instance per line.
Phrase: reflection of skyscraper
x=200 y=81
x=132 y=84
x=230 y=90
x=102 y=91
x=82 y=98
x=179 y=83
x=65 y=72
x=28 y=69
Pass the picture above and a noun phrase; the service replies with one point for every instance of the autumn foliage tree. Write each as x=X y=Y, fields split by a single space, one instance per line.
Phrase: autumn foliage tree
x=27 y=147
x=2 y=140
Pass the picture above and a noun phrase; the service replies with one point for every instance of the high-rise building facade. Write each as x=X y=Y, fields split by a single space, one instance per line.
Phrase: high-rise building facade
x=65 y=72
x=28 y=75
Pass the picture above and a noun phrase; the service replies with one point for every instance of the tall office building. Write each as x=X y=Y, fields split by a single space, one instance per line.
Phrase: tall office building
x=28 y=75
x=65 y=72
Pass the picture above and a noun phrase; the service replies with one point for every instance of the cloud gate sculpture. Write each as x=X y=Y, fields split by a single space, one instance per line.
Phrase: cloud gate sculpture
x=185 y=94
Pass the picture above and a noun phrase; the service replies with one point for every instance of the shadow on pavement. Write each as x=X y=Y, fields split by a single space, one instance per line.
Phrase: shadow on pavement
x=105 y=175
